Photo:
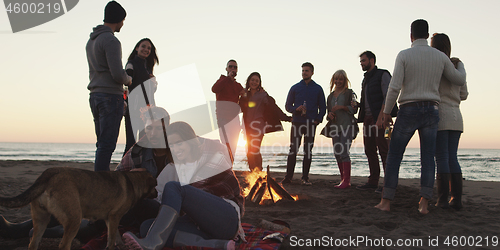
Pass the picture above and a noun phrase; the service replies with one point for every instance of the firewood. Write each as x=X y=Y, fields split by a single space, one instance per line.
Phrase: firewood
x=254 y=189
x=268 y=176
x=258 y=196
x=279 y=190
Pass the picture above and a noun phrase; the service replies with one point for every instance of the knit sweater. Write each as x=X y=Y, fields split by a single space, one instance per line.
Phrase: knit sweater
x=417 y=75
x=450 y=117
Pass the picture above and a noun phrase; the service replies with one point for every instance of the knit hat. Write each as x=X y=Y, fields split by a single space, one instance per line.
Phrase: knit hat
x=114 y=12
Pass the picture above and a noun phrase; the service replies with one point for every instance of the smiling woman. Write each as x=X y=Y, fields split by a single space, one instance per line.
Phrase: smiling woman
x=140 y=67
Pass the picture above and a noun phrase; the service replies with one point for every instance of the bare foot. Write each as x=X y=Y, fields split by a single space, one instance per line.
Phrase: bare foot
x=384 y=205
x=422 y=206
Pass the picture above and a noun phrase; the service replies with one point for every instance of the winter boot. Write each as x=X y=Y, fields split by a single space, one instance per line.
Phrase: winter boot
x=443 y=190
x=456 y=191
x=346 y=179
x=182 y=239
x=158 y=232
x=14 y=230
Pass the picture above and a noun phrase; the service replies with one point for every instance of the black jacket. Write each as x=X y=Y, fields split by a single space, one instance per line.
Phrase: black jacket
x=273 y=115
x=373 y=84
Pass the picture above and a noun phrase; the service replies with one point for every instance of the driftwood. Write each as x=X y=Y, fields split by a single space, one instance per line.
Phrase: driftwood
x=258 y=196
x=254 y=189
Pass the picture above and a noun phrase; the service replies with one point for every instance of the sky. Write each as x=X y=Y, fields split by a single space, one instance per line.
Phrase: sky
x=44 y=74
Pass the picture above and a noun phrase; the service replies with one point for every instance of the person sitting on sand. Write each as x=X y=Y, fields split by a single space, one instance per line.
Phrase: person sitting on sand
x=149 y=154
x=417 y=75
x=202 y=174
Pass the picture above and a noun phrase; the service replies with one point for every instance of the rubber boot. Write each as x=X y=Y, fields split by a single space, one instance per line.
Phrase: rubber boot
x=158 y=232
x=456 y=191
x=346 y=180
x=183 y=239
x=14 y=230
x=443 y=190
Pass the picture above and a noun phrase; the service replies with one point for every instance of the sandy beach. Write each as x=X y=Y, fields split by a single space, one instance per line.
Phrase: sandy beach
x=326 y=217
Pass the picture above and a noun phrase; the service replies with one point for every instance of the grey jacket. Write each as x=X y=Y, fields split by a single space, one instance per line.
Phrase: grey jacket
x=104 y=55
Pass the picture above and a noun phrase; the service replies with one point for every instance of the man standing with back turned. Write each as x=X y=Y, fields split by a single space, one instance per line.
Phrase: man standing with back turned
x=417 y=75
x=107 y=77
x=306 y=101
x=373 y=93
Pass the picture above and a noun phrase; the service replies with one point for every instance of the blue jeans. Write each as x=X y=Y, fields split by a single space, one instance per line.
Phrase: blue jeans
x=308 y=130
x=107 y=110
x=421 y=117
x=206 y=215
x=446 y=151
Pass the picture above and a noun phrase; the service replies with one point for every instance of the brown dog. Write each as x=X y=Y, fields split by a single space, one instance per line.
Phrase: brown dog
x=70 y=194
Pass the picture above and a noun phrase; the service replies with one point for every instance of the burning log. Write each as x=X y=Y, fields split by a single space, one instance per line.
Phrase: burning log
x=278 y=189
x=269 y=186
x=264 y=189
x=258 y=196
x=254 y=189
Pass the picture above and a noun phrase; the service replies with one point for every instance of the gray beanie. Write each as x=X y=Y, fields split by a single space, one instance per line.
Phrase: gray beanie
x=114 y=12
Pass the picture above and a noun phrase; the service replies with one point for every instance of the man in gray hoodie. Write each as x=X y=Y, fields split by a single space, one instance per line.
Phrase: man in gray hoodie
x=107 y=77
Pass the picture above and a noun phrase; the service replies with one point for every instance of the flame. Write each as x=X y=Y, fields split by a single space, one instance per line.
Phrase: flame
x=252 y=178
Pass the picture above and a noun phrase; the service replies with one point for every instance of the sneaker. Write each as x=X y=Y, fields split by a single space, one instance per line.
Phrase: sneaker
x=286 y=181
x=366 y=186
x=379 y=190
x=305 y=182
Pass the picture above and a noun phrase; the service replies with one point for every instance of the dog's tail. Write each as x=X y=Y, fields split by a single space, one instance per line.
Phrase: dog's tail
x=32 y=192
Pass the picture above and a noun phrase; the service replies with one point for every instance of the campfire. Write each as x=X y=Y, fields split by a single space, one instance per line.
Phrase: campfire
x=263 y=189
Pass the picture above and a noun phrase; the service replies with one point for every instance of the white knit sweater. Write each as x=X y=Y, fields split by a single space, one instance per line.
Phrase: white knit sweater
x=450 y=117
x=417 y=75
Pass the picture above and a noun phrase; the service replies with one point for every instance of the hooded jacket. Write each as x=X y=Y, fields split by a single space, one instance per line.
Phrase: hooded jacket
x=104 y=55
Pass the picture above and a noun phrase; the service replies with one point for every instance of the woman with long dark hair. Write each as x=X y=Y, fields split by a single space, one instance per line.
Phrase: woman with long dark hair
x=451 y=126
x=260 y=115
x=140 y=67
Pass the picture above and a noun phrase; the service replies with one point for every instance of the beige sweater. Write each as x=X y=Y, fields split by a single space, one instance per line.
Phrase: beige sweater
x=417 y=75
x=450 y=117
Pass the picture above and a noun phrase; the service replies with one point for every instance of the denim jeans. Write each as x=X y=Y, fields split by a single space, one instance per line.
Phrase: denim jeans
x=206 y=215
x=446 y=151
x=308 y=130
x=423 y=118
x=107 y=110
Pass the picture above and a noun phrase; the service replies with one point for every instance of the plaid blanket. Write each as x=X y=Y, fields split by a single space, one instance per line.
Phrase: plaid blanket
x=253 y=235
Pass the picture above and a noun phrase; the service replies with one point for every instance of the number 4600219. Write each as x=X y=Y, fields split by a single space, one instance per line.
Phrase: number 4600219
x=33 y=8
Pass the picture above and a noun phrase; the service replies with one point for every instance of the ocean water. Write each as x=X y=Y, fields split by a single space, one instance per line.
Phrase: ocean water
x=477 y=164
